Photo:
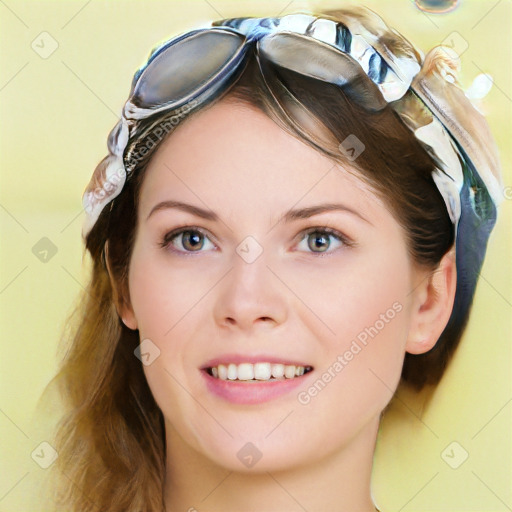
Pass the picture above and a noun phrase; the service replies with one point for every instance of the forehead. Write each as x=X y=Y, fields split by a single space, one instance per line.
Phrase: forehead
x=233 y=154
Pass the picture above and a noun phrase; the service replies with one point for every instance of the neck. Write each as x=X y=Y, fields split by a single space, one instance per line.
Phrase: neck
x=337 y=483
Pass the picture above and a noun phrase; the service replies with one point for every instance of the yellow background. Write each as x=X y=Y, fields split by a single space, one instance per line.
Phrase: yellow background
x=55 y=115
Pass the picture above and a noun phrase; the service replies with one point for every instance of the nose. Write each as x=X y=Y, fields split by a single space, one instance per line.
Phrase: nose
x=250 y=297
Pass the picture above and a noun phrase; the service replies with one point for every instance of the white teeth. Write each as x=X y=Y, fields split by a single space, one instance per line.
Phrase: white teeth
x=232 y=372
x=223 y=372
x=278 y=371
x=257 y=371
x=245 y=371
x=262 y=371
x=289 y=371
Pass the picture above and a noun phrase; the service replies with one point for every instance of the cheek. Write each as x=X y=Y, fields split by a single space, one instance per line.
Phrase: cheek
x=374 y=308
x=169 y=312
x=165 y=314
x=162 y=293
x=365 y=311
x=168 y=308
x=367 y=308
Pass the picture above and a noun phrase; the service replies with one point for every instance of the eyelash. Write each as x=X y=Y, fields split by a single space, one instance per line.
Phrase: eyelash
x=167 y=239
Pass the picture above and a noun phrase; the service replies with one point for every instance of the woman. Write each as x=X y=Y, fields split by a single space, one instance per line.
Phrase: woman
x=290 y=221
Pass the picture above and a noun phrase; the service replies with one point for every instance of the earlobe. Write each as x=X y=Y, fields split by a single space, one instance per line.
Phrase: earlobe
x=124 y=310
x=432 y=305
x=130 y=321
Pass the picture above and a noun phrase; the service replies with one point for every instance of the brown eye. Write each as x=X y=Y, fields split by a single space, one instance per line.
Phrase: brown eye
x=186 y=241
x=192 y=240
x=321 y=240
x=318 y=240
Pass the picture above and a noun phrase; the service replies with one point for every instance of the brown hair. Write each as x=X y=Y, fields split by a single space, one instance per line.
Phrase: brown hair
x=111 y=443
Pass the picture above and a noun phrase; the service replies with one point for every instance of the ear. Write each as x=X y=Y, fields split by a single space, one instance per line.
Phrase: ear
x=432 y=305
x=123 y=306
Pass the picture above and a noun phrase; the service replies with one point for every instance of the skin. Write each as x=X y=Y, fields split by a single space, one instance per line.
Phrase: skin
x=294 y=301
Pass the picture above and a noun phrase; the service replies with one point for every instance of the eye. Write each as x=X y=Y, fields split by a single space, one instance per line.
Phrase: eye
x=318 y=240
x=190 y=239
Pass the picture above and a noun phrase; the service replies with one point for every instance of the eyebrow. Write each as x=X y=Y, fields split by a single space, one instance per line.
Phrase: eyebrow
x=289 y=216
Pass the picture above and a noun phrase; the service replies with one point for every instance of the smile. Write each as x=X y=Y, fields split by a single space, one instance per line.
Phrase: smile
x=257 y=372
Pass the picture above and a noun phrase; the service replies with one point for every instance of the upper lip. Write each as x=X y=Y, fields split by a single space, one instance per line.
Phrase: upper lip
x=256 y=358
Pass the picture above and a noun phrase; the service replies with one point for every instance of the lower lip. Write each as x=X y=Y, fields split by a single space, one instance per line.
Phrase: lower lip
x=252 y=392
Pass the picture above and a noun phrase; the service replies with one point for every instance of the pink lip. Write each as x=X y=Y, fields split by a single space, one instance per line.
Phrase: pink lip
x=244 y=358
x=251 y=392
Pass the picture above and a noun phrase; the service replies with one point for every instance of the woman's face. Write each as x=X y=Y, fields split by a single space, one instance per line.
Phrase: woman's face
x=244 y=272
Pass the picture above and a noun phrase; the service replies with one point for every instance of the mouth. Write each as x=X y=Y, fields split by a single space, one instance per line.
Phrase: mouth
x=251 y=379
x=257 y=372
